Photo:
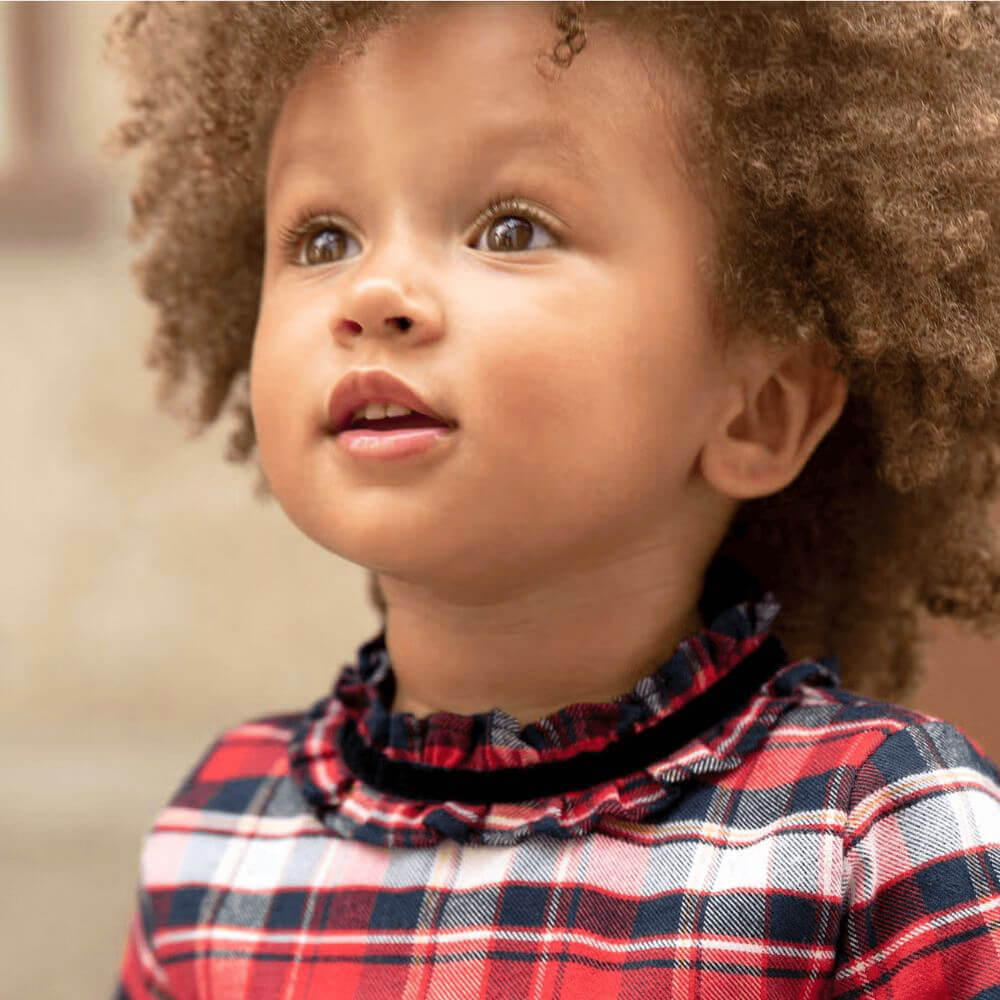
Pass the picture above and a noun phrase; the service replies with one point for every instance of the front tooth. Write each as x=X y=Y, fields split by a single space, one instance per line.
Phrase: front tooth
x=395 y=410
x=374 y=411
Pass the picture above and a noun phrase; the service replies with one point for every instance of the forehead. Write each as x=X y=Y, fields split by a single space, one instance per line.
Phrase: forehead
x=457 y=79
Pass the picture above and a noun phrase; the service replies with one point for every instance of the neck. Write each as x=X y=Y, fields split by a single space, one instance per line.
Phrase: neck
x=590 y=638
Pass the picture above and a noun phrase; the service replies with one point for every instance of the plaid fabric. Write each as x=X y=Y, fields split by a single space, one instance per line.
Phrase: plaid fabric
x=815 y=843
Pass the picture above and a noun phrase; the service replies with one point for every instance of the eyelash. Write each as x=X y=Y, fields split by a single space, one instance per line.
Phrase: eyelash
x=311 y=221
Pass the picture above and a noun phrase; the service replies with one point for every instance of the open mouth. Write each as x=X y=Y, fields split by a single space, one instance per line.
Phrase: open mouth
x=407 y=422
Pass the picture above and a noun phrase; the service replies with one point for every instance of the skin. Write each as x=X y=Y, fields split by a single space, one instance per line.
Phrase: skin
x=552 y=550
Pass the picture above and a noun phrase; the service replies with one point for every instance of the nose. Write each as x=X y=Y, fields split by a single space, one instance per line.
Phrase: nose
x=380 y=307
x=402 y=323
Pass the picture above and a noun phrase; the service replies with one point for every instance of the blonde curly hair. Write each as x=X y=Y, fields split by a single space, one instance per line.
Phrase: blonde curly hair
x=851 y=153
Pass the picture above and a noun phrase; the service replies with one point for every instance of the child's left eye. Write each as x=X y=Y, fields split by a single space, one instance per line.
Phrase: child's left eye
x=519 y=220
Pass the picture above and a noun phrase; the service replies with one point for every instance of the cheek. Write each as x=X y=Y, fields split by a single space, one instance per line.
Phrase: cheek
x=291 y=363
x=278 y=400
x=577 y=409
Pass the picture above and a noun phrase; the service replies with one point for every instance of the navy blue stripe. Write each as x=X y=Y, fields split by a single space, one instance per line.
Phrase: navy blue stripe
x=754 y=972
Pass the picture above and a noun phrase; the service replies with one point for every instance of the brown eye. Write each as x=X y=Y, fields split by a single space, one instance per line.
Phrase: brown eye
x=509 y=233
x=324 y=246
x=510 y=225
x=314 y=239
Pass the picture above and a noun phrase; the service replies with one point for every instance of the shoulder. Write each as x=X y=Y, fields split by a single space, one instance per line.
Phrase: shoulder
x=233 y=775
x=921 y=857
x=218 y=830
x=925 y=782
x=924 y=745
x=878 y=742
x=239 y=790
x=914 y=791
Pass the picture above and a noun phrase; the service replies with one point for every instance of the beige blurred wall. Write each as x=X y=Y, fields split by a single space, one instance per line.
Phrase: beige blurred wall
x=147 y=599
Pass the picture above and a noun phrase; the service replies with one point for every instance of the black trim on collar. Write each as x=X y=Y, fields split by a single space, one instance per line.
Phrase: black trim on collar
x=588 y=768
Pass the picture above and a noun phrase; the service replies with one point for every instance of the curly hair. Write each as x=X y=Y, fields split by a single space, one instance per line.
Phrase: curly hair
x=851 y=154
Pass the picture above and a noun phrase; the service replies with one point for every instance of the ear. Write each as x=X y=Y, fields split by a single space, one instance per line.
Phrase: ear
x=780 y=402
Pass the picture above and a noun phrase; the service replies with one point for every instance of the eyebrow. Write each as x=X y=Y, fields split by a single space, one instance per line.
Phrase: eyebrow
x=555 y=138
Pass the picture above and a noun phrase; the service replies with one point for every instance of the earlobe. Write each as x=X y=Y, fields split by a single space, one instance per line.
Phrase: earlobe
x=780 y=405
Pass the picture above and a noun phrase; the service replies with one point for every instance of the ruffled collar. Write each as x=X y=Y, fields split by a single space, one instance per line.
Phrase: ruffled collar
x=485 y=744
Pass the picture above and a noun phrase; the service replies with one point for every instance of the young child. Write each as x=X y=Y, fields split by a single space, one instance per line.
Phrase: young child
x=593 y=334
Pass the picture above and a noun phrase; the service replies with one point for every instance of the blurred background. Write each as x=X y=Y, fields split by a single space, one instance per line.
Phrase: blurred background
x=147 y=600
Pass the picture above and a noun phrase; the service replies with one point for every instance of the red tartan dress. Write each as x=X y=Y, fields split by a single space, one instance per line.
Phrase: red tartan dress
x=736 y=826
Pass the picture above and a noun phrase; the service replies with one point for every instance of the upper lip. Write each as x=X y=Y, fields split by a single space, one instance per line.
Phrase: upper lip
x=370 y=385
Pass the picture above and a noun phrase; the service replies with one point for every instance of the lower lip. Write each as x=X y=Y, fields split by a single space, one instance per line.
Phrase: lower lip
x=383 y=445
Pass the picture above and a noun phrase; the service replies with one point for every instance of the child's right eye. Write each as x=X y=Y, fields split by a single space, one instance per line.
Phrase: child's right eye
x=313 y=240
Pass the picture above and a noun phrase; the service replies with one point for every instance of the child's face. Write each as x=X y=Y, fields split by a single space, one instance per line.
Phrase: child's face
x=580 y=371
